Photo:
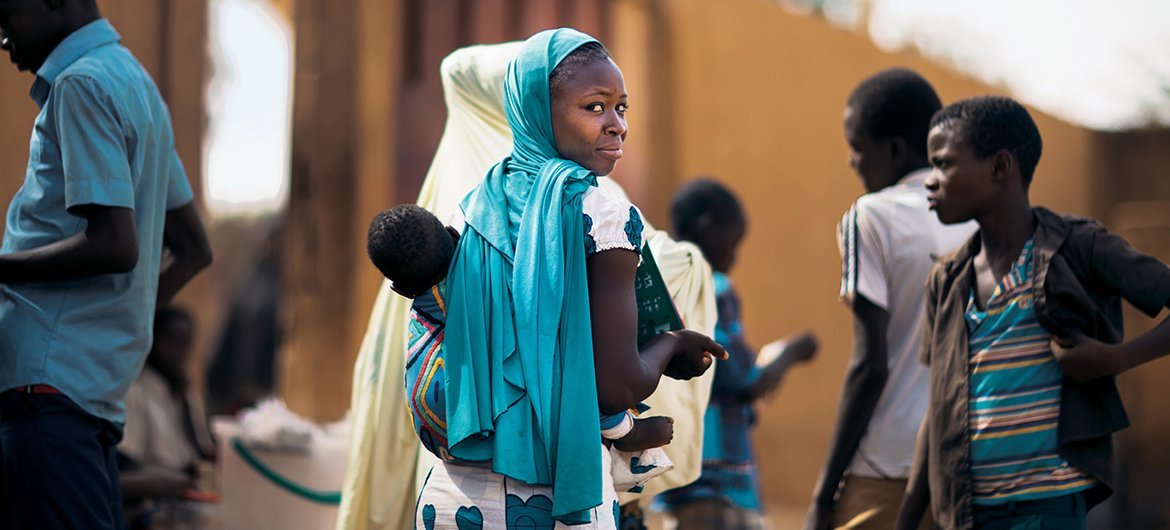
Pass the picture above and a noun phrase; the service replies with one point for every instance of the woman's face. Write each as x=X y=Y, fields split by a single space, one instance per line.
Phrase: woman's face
x=589 y=116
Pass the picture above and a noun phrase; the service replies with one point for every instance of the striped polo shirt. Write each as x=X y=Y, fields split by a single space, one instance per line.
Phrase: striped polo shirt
x=1015 y=398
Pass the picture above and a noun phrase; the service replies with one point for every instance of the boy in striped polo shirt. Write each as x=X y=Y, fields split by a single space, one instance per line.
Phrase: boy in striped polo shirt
x=1023 y=337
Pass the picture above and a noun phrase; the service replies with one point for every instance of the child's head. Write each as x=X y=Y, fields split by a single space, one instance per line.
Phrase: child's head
x=887 y=118
x=174 y=331
x=984 y=151
x=709 y=215
x=588 y=97
x=411 y=248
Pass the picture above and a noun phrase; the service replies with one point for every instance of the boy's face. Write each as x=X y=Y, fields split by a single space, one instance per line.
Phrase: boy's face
x=962 y=186
x=871 y=159
x=28 y=32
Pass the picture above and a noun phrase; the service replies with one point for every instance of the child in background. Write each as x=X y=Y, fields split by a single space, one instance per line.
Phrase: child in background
x=726 y=495
x=165 y=440
x=413 y=249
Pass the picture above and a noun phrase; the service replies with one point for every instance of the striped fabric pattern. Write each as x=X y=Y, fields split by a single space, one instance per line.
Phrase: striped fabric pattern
x=847 y=238
x=1015 y=398
x=426 y=377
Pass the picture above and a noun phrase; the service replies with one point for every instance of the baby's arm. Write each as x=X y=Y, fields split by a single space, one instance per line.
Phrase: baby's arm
x=633 y=435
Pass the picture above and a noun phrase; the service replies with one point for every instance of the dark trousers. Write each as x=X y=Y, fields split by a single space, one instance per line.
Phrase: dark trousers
x=58 y=465
x=1066 y=512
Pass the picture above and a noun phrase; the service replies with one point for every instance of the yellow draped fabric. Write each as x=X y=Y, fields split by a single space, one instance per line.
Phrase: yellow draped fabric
x=384 y=468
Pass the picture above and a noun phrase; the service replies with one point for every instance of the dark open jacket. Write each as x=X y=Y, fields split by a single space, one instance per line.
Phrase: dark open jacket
x=1082 y=271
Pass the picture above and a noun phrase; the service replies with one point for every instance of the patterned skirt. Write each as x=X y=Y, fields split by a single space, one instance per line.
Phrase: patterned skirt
x=471 y=497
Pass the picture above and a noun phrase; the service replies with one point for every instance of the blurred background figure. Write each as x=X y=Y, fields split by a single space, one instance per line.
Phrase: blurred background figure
x=727 y=494
x=166 y=434
x=245 y=359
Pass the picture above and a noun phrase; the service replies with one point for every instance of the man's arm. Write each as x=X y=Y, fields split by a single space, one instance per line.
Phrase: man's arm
x=1084 y=358
x=108 y=245
x=864 y=383
x=186 y=239
x=917 y=499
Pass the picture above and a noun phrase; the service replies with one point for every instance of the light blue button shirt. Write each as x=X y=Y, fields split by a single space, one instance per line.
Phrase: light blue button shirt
x=103 y=136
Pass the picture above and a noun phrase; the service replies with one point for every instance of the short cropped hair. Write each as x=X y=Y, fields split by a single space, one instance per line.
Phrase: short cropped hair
x=990 y=123
x=409 y=245
x=896 y=103
x=703 y=196
x=583 y=56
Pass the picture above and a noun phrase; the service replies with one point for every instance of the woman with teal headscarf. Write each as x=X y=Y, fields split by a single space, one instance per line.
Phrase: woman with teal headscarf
x=540 y=312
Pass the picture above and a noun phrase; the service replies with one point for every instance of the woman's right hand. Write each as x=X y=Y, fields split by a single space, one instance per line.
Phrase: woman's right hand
x=693 y=354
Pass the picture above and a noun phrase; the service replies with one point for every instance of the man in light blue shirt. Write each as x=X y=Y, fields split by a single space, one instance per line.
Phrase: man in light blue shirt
x=81 y=264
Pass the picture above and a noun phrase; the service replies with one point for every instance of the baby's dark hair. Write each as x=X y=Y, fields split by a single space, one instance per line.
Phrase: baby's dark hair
x=409 y=245
x=584 y=55
x=703 y=196
x=896 y=102
x=990 y=123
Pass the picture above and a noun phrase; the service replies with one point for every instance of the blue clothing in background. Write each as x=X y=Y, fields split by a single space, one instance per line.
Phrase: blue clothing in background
x=729 y=466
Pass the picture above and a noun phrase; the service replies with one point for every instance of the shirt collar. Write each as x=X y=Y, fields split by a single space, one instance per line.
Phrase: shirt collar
x=1051 y=232
x=88 y=37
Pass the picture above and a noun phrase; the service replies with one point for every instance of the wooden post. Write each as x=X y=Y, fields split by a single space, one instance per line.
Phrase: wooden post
x=343 y=151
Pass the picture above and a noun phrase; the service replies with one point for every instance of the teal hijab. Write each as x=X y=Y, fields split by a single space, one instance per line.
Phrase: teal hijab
x=521 y=390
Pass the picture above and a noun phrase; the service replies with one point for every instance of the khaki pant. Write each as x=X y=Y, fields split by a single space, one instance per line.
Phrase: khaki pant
x=871 y=504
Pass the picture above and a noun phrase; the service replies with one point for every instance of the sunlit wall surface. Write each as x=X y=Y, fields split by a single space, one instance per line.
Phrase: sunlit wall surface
x=1102 y=65
x=249 y=103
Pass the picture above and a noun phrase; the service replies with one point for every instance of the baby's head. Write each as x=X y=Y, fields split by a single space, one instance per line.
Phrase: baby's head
x=411 y=248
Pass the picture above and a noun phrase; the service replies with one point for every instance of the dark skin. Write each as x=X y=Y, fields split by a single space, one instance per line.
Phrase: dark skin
x=647 y=432
x=718 y=239
x=879 y=164
x=589 y=116
x=186 y=239
x=991 y=190
x=109 y=243
x=626 y=376
x=33 y=28
x=589 y=127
